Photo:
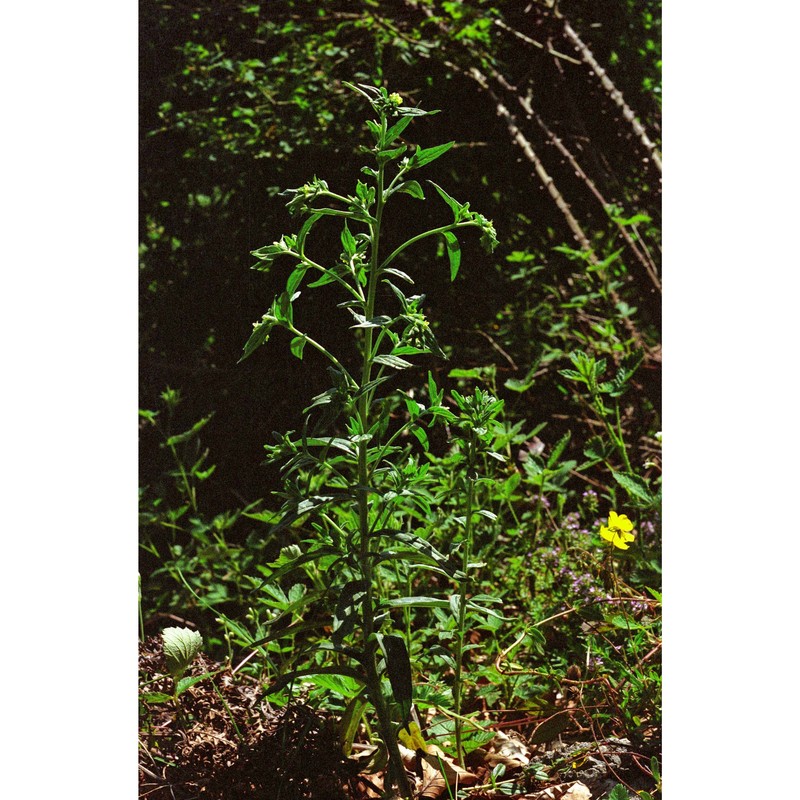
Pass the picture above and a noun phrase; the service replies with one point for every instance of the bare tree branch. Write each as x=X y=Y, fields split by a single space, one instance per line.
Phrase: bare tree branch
x=613 y=93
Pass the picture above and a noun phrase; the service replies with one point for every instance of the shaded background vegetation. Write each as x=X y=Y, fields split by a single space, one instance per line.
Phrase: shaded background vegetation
x=239 y=101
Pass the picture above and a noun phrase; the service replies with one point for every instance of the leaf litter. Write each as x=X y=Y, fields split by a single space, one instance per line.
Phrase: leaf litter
x=224 y=741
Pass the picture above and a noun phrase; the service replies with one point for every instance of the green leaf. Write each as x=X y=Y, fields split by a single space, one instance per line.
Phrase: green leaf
x=597 y=449
x=351 y=719
x=295 y=279
x=421 y=436
x=186 y=683
x=327 y=277
x=380 y=321
x=157 y=697
x=258 y=337
x=305 y=229
x=619 y=792
x=424 y=547
x=282 y=308
x=392 y=361
x=411 y=187
x=398 y=666
x=347 y=610
x=425 y=156
x=283 y=567
x=419 y=602
x=457 y=208
x=519 y=385
x=179 y=438
x=474 y=373
x=453 y=253
x=572 y=375
x=389 y=155
x=297 y=344
x=290 y=677
x=334 y=682
x=455 y=605
x=655 y=768
x=348 y=241
x=181 y=646
x=268 y=253
x=634 y=486
x=396 y=130
x=558 y=450
x=624 y=623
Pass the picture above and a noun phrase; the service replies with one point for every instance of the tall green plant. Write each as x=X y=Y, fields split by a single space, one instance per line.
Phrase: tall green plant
x=349 y=473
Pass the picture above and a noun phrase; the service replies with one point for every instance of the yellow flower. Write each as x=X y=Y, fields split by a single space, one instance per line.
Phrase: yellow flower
x=618 y=530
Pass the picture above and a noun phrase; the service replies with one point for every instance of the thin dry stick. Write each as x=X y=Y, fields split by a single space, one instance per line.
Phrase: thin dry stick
x=499 y=349
x=643 y=257
x=528 y=40
x=645 y=260
x=530 y=154
x=614 y=94
x=549 y=184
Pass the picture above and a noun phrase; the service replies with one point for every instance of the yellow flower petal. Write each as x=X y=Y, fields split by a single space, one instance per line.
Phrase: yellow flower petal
x=620 y=521
x=621 y=538
x=607 y=533
x=621 y=544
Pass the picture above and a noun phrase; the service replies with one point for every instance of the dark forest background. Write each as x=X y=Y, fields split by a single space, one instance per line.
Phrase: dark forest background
x=240 y=101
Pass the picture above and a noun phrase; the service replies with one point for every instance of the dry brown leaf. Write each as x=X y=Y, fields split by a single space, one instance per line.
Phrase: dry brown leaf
x=508 y=750
x=438 y=771
x=373 y=789
x=433 y=784
x=562 y=791
x=456 y=776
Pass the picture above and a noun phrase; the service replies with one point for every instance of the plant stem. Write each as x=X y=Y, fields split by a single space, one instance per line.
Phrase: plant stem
x=396 y=771
x=462 y=605
x=188 y=488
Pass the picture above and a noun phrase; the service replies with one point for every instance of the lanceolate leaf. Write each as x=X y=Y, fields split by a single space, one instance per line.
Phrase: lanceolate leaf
x=347 y=610
x=419 y=602
x=305 y=229
x=456 y=207
x=185 y=683
x=398 y=667
x=396 y=130
x=453 y=253
x=558 y=450
x=258 y=337
x=351 y=719
x=426 y=548
x=179 y=438
x=312 y=555
x=348 y=241
x=392 y=361
x=425 y=156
